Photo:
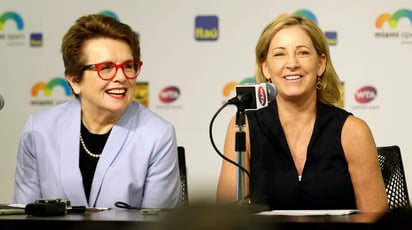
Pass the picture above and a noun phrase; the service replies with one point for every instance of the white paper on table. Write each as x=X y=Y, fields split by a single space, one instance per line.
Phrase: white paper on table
x=337 y=212
x=17 y=205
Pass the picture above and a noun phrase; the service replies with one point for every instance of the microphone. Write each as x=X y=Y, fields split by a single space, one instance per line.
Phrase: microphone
x=254 y=96
x=1 y=102
x=46 y=209
x=52 y=207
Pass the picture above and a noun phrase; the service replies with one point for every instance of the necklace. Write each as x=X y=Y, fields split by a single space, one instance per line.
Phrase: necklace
x=86 y=149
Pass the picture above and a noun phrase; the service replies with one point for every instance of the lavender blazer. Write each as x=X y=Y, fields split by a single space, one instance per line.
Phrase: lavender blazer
x=138 y=165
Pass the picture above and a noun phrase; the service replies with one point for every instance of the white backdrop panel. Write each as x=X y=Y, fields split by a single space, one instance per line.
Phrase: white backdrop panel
x=172 y=57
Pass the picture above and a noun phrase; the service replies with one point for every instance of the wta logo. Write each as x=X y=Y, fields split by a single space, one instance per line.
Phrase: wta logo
x=393 y=19
x=366 y=94
x=11 y=16
x=48 y=87
x=169 y=94
x=262 y=95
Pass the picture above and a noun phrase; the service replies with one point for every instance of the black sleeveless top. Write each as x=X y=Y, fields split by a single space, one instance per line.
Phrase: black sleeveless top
x=325 y=182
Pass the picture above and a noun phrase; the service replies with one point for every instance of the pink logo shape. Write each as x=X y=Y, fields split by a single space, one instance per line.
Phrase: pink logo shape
x=262 y=95
x=169 y=94
x=366 y=94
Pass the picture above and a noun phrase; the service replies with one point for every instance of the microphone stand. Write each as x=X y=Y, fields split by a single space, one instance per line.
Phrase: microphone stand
x=240 y=148
x=242 y=102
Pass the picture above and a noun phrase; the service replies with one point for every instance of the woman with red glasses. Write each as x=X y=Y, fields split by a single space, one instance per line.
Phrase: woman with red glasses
x=102 y=147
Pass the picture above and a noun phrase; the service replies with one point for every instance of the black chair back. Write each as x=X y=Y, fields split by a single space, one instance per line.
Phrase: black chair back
x=390 y=162
x=183 y=176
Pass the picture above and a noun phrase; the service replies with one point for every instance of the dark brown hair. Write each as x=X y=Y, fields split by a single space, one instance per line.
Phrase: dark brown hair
x=89 y=27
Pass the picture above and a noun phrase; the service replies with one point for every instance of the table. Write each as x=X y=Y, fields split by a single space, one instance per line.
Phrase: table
x=110 y=219
x=186 y=219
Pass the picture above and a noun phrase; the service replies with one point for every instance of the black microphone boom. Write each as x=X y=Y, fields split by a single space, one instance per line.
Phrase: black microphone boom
x=253 y=96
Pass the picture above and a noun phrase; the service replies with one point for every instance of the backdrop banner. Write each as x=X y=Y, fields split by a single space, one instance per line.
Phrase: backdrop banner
x=194 y=53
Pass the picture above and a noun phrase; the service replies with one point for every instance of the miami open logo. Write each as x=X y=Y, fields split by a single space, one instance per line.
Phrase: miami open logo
x=109 y=13
x=229 y=87
x=389 y=24
x=331 y=36
x=12 y=34
x=44 y=93
x=11 y=16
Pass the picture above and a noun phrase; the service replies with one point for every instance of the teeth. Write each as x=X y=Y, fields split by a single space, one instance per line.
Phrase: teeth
x=116 y=91
x=292 y=77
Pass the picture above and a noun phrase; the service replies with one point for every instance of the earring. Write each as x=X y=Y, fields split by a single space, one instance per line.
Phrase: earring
x=318 y=82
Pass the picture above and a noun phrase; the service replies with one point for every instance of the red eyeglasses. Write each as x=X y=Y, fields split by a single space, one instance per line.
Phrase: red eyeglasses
x=107 y=70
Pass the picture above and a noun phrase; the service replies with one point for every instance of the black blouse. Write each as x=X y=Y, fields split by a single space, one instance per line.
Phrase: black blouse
x=325 y=182
x=95 y=144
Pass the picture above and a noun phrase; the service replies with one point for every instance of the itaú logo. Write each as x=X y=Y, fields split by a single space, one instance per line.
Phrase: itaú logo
x=366 y=94
x=169 y=94
x=261 y=95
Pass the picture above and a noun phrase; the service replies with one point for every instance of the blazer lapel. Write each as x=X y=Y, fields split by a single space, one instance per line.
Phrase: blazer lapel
x=69 y=154
x=111 y=150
